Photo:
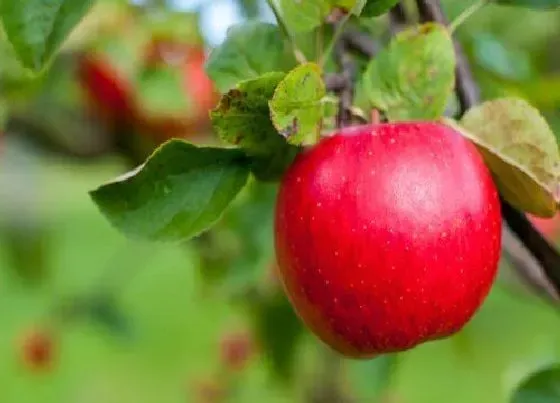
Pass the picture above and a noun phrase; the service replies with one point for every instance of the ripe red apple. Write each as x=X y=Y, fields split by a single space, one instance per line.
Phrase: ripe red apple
x=387 y=236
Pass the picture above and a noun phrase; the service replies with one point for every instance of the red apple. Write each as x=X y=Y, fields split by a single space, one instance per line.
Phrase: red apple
x=108 y=93
x=387 y=236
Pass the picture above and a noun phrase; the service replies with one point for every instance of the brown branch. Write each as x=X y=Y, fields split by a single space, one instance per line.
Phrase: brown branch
x=536 y=256
x=360 y=42
x=467 y=90
x=346 y=93
x=397 y=19
x=336 y=82
x=531 y=273
x=540 y=250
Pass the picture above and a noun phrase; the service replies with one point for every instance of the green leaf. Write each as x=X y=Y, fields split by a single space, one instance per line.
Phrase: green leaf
x=279 y=332
x=242 y=118
x=536 y=4
x=414 y=78
x=242 y=115
x=520 y=150
x=370 y=378
x=502 y=59
x=179 y=192
x=304 y=16
x=161 y=91
x=296 y=108
x=37 y=28
x=352 y=6
x=250 y=50
x=374 y=8
x=541 y=387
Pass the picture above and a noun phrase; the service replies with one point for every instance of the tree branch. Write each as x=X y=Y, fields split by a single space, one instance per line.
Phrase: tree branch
x=336 y=82
x=397 y=19
x=536 y=256
x=467 y=90
x=347 y=73
x=359 y=42
x=346 y=94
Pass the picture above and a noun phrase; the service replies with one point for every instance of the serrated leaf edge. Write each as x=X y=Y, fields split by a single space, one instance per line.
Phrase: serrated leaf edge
x=317 y=69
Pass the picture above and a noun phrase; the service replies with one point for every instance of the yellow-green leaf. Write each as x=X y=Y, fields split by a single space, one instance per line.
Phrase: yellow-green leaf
x=242 y=118
x=296 y=109
x=520 y=150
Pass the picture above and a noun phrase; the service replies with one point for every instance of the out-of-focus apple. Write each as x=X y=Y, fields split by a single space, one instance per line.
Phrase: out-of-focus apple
x=108 y=93
x=549 y=227
x=37 y=349
x=198 y=92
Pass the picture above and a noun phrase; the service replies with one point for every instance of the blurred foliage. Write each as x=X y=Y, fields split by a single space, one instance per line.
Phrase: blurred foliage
x=141 y=322
x=541 y=387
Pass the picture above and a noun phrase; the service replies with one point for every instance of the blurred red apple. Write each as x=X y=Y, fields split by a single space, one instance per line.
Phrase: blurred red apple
x=236 y=349
x=208 y=391
x=549 y=227
x=198 y=89
x=37 y=349
x=109 y=94
x=388 y=236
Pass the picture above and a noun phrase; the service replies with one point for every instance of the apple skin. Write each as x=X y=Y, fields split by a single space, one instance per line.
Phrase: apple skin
x=387 y=236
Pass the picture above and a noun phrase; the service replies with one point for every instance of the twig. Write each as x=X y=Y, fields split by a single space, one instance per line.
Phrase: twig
x=346 y=94
x=300 y=57
x=344 y=115
x=537 y=255
x=533 y=276
x=397 y=19
x=540 y=249
x=360 y=42
x=465 y=15
x=339 y=28
x=467 y=90
x=336 y=82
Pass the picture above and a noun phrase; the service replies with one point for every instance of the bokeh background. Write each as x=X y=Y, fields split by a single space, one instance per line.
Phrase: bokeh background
x=89 y=316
